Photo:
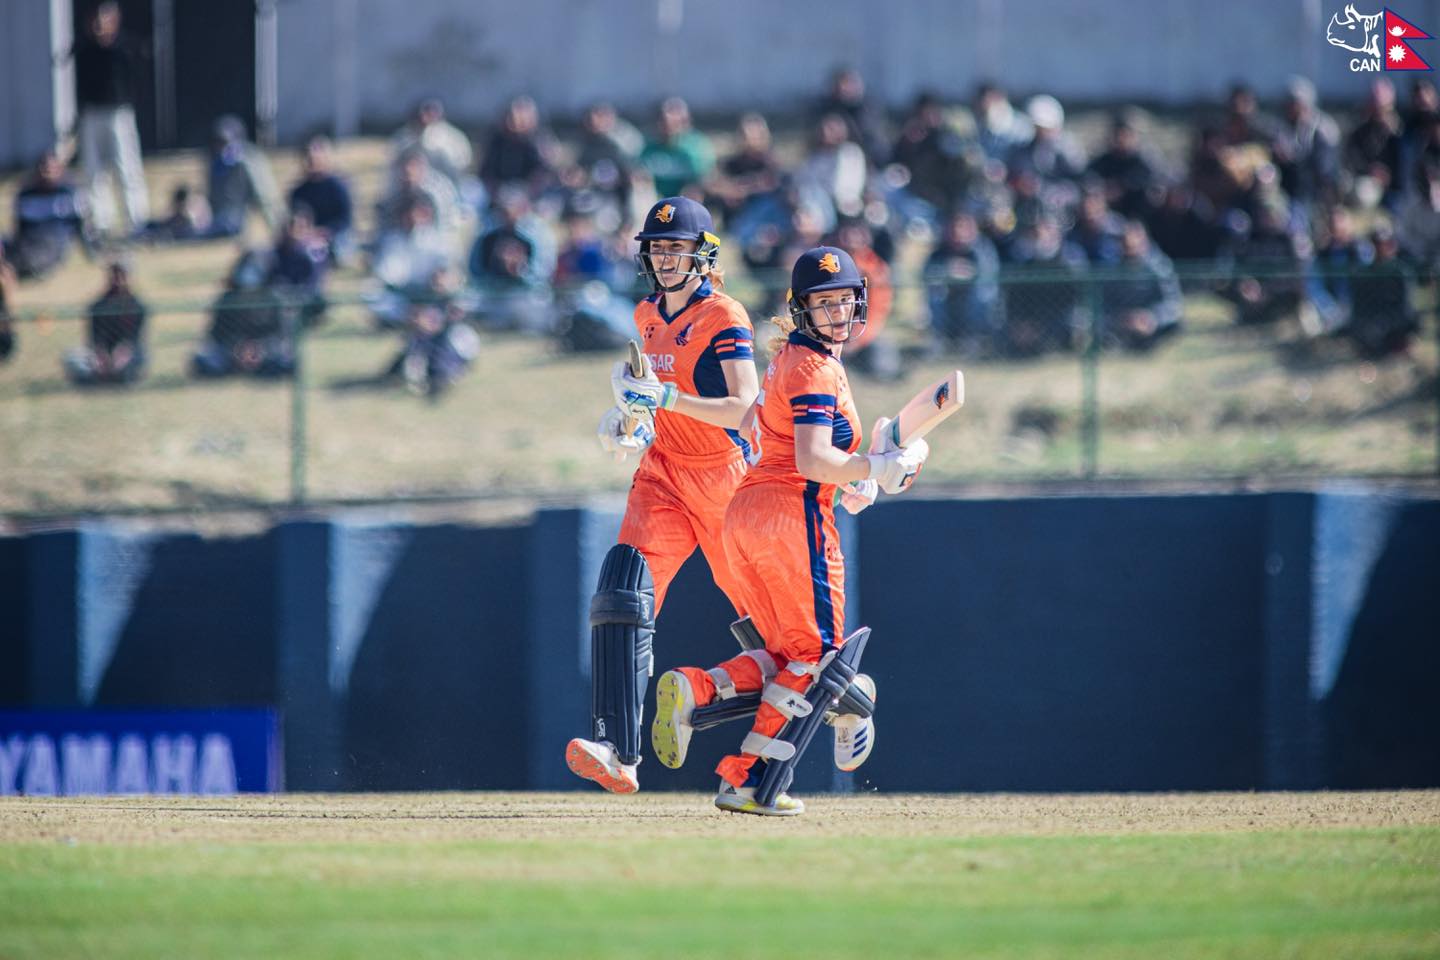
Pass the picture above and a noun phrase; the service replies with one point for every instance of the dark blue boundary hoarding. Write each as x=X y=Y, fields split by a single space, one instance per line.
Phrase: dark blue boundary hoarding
x=91 y=752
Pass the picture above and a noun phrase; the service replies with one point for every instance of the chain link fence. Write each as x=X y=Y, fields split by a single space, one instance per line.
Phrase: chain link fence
x=1135 y=371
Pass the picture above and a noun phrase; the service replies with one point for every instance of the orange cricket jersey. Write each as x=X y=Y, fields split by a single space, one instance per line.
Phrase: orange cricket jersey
x=804 y=384
x=687 y=350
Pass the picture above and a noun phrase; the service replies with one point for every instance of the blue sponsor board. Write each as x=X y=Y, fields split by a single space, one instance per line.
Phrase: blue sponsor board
x=77 y=752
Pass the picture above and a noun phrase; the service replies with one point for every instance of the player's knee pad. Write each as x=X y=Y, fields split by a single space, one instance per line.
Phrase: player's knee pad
x=834 y=677
x=622 y=629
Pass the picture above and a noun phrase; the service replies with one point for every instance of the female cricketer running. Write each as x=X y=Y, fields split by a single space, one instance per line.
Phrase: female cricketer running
x=689 y=404
x=781 y=540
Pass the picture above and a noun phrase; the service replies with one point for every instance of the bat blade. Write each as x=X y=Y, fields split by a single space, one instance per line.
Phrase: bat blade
x=639 y=367
x=928 y=409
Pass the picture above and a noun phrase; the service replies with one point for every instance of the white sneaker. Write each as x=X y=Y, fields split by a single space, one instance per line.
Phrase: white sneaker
x=734 y=799
x=599 y=762
x=854 y=736
x=670 y=730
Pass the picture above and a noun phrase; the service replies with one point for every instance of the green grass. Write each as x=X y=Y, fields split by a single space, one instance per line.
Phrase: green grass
x=1353 y=893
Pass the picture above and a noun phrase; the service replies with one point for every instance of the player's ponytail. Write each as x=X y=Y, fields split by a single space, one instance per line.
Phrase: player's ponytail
x=716 y=273
x=786 y=325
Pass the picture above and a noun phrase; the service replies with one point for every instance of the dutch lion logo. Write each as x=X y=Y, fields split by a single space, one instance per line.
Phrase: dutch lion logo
x=830 y=263
x=942 y=396
x=666 y=213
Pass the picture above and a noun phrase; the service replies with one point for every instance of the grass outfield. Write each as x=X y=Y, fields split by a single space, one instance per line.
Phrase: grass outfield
x=587 y=875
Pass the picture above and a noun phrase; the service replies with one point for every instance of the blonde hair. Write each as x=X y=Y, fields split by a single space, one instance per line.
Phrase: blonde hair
x=786 y=326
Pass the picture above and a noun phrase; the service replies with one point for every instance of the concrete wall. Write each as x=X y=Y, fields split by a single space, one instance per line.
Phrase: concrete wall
x=1276 y=641
x=37 y=89
x=755 y=53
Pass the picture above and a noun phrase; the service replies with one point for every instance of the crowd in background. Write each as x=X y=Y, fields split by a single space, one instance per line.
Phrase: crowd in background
x=1029 y=243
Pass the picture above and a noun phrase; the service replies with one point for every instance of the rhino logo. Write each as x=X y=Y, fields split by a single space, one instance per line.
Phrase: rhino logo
x=1355 y=31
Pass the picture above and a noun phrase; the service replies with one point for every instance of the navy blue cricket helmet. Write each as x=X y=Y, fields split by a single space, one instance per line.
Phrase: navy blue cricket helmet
x=818 y=270
x=678 y=218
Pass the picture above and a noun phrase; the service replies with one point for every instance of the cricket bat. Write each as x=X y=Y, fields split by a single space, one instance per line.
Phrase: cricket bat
x=927 y=409
x=639 y=367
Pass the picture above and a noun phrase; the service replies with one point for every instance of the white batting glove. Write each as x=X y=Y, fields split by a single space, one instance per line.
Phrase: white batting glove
x=880 y=441
x=897 y=469
x=641 y=396
x=614 y=439
x=856 y=496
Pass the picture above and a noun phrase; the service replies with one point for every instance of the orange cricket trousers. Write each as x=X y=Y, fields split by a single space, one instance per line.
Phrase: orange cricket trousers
x=784 y=553
x=676 y=504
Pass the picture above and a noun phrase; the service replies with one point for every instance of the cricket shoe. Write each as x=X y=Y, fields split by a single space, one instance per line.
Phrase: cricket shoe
x=733 y=799
x=599 y=762
x=670 y=730
x=854 y=736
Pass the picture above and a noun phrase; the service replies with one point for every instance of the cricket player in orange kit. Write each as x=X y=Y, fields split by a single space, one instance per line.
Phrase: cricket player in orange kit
x=780 y=535
x=700 y=383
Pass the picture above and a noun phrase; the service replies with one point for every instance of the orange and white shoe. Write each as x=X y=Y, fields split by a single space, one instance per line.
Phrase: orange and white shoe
x=599 y=762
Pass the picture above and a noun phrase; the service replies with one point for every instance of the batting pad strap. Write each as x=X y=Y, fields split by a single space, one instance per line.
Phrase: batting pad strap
x=759 y=745
x=765 y=662
x=724 y=685
x=789 y=703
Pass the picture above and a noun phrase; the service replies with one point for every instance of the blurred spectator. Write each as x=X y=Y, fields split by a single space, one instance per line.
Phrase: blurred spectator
x=107 y=79
x=999 y=127
x=750 y=172
x=1306 y=148
x=961 y=278
x=1329 y=280
x=837 y=166
x=447 y=150
x=1372 y=151
x=327 y=197
x=116 y=352
x=1098 y=229
x=8 y=285
x=1184 y=226
x=187 y=219
x=872 y=352
x=1222 y=174
x=607 y=152
x=594 y=281
x=406 y=259
x=417 y=179
x=518 y=152
x=439 y=345
x=1423 y=108
x=1045 y=315
x=251 y=331
x=1244 y=124
x=936 y=169
x=679 y=156
x=1268 y=263
x=1052 y=153
x=298 y=266
x=1129 y=176
x=1140 y=299
x=864 y=120
x=240 y=178
x=1418 y=222
x=1384 y=320
x=47 y=219
x=512 y=264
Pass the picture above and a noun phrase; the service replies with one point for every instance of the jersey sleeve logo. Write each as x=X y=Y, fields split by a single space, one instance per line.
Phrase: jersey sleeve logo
x=683 y=337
